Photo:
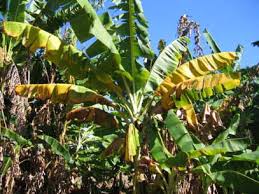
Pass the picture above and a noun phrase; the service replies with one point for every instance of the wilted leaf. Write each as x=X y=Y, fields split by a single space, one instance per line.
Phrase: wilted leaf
x=116 y=146
x=132 y=143
x=61 y=93
x=91 y=114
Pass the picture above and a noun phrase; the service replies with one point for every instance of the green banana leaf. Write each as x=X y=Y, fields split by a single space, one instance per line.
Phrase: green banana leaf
x=16 y=10
x=87 y=24
x=229 y=145
x=211 y=42
x=236 y=180
x=12 y=135
x=166 y=63
x=157 y=148
x=178 y=132
x=250 y=157
x=56 y=147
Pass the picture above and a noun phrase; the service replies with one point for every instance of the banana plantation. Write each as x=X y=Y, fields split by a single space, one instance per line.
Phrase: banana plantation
x=88 y=106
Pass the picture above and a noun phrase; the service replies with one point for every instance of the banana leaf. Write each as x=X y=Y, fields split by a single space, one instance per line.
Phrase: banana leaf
x=226 y=146
x=166 y=63
x=61 y=93
x=56 y=147
x=95 y=115
x=211 y=42
x=235 y=180
x=56 y=51
x=12 y=135
x=178 y=132
x=196 y=68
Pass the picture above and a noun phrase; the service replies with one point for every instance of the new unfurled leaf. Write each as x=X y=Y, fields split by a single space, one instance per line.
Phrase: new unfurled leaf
x=211 y=42
x=61 y=93
x=95 y=115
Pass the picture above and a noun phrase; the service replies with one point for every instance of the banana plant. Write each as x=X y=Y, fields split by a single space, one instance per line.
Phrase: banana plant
x=113 y=88
x=214 y=162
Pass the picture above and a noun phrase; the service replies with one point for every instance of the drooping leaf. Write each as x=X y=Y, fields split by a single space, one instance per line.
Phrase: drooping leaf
x=12 y=135
x=197 y=88
x=166 y=63
x=230 y=145
x=235 y=180
x=56 y=51
x=132 y=143
x=211 y=42
x=178 y=132
x=191 y=116
x=196 y=68
x=61 y=93
x=250 y=156
x=91 y=114
x=115 y=147
x=56 y=147
x=228 y=81
x=186 y=104
x=157 y=148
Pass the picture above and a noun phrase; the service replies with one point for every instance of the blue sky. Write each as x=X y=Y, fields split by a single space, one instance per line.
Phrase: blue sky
x=231 y=22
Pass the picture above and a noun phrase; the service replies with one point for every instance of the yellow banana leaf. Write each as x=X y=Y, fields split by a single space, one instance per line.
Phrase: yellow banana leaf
x=91 y=114
x=55 y=50
x=228 y=81
x=206 y=83
x=196 y=68
x=191 y=116
x=61 y=93
x=132 y=143
x=218 y=82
